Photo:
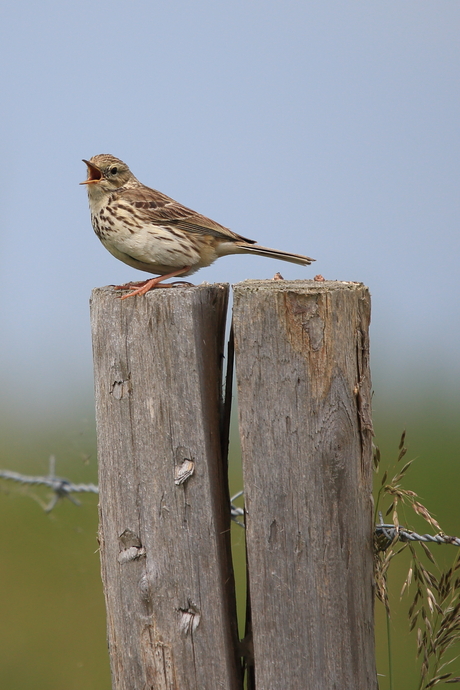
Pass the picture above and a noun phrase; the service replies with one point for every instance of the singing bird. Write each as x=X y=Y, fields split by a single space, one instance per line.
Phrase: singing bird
x=151 y=232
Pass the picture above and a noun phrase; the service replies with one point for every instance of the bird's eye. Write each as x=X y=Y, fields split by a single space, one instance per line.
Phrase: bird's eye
x=114 y=171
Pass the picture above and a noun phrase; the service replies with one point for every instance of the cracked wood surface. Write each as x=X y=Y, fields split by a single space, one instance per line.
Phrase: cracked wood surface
x=304 y=395
x=164 y=509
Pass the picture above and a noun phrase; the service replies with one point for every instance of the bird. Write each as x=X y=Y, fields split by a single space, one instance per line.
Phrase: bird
x=149 y=231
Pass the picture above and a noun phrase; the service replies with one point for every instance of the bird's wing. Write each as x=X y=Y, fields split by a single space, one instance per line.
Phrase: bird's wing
x=160 y=209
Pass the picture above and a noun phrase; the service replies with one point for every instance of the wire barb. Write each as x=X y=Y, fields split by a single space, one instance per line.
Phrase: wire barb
x=62 y=488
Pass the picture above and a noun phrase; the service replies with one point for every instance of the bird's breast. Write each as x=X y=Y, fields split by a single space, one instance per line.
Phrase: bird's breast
x=130 y=235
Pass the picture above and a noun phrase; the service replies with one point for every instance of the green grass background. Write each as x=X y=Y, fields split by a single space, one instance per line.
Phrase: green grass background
x=52 y=623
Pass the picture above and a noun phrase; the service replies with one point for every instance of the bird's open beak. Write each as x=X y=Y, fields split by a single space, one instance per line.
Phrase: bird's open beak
x=94 y=174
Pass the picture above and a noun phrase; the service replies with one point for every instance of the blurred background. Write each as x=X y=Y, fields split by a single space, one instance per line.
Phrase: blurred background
x=327 y=128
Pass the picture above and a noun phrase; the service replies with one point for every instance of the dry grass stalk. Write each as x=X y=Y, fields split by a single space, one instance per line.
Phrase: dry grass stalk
x=435 y=607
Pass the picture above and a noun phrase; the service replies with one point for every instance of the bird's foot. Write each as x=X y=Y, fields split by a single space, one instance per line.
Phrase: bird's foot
x=130 y=285
x=145 y=285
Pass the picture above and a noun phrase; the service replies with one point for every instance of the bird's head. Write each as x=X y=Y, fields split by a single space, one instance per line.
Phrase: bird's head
x=105 y=174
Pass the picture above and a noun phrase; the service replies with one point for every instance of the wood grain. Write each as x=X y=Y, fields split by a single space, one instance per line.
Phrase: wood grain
x=164 y=511
x=304 y=392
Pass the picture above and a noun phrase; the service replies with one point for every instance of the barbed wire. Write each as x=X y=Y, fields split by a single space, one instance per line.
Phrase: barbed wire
x=62 y=488
x=386 y=533
x=236 y=512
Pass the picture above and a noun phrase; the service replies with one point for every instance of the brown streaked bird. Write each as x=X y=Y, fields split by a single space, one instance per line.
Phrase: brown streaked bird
x=151 y=232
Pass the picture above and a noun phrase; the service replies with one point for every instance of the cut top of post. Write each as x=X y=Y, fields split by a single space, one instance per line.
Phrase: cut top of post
x=297 y=285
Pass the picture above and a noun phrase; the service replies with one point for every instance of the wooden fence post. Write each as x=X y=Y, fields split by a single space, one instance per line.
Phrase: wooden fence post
x=164 y=508
x=304 y=413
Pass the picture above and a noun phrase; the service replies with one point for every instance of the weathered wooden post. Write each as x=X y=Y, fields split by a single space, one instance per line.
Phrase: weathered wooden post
x=164 y=509
x=305 y=426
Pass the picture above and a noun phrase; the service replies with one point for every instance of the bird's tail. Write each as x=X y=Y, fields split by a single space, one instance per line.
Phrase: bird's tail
x=275 y=253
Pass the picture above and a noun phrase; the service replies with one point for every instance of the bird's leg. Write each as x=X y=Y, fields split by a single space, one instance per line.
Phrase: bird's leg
x=154 y=282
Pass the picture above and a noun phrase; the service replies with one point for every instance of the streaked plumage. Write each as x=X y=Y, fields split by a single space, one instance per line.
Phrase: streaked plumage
x=151 y=232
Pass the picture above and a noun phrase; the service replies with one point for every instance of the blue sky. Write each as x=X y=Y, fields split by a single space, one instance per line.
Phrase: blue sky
x=326 y=128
